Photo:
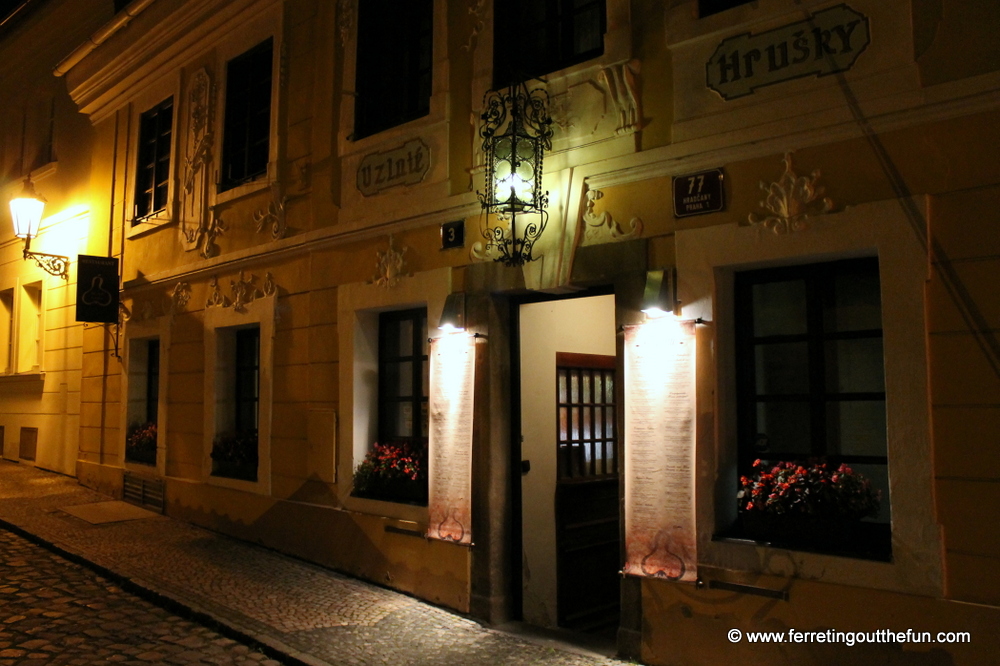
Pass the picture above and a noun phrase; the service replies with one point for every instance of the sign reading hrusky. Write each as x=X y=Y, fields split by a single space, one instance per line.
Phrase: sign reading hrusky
x=97 y=289
x=827 y=42
x=660 y=536
x=452 y=380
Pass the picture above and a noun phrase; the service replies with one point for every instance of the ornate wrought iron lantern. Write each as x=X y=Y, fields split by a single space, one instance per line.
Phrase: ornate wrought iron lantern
x=26 y=213
x=516 y=132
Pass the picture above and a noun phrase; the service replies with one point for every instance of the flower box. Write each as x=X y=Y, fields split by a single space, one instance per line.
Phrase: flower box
x=140 y=444
x=234 y=455
x=393 y=472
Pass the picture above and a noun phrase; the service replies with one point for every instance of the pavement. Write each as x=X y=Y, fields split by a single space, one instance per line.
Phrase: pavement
x=270 y=607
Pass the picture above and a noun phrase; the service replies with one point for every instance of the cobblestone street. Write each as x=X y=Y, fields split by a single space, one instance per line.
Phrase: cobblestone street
x=52 y=611
x=56 y=612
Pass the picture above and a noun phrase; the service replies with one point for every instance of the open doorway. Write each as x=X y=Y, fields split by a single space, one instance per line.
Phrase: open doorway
x=569 y=469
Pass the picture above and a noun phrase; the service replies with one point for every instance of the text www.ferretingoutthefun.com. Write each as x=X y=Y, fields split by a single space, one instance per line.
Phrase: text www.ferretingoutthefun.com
x=849 y=637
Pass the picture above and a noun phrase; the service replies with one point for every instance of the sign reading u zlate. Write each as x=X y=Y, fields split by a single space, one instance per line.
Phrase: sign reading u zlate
x=827 y=42
x=405 y=165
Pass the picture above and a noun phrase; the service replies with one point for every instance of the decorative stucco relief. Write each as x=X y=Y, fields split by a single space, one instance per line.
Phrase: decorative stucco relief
x=244 y=291
x=271 y=219
x=215 y=298
x=389 y=267
x=602 y=228
x=790 y=201
x=478 y=10
x=178 y=298
x=202 y=238
x=622 y=84
x=345 y=20
x=198 y=154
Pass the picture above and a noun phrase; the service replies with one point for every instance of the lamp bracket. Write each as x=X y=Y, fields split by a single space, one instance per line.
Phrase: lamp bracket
x=54 y=264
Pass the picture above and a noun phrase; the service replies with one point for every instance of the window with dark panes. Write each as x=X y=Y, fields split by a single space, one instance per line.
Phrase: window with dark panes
x=403 y=377
x=709 y=7
x=247 y=379
x=810 y=371
x=247 y=128
x=152 y=379
x=535 y=37
x=394 y=60
x=152 y=180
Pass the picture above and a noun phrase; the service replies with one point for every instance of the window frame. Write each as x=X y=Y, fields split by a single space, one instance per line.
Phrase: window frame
x=506 y=21
x=707 y=258
x=358 y=308
x=418 y=397
x=153 y=114
x=165 y=89
x=818 y=279
x=712 y=7
x=252 y=33
x=220 y=323
x=135 y=387
x=239 y=109
x=368 y=37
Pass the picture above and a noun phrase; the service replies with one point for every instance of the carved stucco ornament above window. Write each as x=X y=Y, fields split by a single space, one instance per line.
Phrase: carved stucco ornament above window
x=790 y=201
x=203 y=237
x=244 y=291
x=602 y=228
x=178 y=298
x=621 y=80
x=389 y=268
x=345 y=20
x=215 y=298
x=271 y=219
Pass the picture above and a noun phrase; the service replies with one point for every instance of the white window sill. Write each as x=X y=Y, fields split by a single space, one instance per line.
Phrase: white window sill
x=25 y=377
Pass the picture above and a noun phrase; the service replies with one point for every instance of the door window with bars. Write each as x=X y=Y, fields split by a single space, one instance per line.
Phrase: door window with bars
x=585 y=428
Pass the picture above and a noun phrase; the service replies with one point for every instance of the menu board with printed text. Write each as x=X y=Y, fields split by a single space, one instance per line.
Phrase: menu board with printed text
x=452 y=383
x=660 y=534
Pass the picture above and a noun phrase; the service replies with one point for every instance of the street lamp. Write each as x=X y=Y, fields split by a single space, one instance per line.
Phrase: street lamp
x=516 y=132
x=26 y=213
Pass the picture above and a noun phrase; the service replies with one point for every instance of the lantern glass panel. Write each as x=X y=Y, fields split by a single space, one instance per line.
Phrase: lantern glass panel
x=26 y=214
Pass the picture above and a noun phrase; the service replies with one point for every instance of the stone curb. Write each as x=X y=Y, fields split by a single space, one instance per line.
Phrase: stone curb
x=224 y=626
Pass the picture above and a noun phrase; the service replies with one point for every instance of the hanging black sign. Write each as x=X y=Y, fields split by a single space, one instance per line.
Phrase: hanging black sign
x=698 y=193
x=97 y=289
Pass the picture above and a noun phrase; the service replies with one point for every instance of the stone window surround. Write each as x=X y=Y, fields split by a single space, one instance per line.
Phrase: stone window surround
x=399 y=133
x=358 y=307
x=141 y=332
x=260 y=311
x=706 y=261
x=617 y=48
x=17 y=287
x=149 y=98
x=266 y=25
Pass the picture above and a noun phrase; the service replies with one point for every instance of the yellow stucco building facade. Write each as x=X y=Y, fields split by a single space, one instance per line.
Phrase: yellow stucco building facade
x=290 y=187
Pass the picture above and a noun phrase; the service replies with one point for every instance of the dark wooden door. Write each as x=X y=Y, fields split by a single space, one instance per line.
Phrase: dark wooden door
x=28 y=444
x=588 y=557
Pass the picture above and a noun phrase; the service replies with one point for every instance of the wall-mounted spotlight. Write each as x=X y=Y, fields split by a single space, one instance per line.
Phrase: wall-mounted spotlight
x=26 y=212
x=660 y=296
x=516 y=131
x=453 y=314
